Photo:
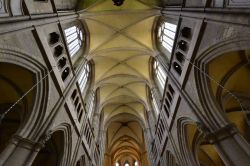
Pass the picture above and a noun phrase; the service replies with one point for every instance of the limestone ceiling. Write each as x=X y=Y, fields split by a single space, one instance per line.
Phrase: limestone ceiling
x=125 y=140
x=121 y=45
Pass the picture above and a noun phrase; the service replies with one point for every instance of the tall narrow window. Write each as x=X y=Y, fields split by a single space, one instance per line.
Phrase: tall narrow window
x=160 y=75
x=155 y=105
x=166 y=35
x=74 y=38
x=83 y=79
x=90 y=103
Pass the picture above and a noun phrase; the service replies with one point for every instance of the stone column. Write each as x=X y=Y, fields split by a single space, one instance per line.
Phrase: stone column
x=230 y=145
x=38 y=147
x=144 y=159
x=20 y=151
x=95 y=124
x=107 y=160
x=151 y=120
x=147 y=139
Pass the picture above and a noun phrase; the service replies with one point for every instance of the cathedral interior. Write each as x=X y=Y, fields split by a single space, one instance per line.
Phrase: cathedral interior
x=124 y=82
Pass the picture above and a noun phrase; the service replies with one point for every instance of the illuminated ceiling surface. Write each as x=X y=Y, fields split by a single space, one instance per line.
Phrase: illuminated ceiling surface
x=121 y=44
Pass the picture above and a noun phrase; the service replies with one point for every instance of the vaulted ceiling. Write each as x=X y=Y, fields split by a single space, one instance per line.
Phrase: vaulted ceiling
x=121 y=46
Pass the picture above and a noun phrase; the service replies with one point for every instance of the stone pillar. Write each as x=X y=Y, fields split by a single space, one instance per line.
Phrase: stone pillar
x=230 y=145
x=7 y=151
x=144 y=159
x=148 y=138
x=38 y=147
x=20 y=151
x=107 y=160
x=95 y=124
x=151 y=121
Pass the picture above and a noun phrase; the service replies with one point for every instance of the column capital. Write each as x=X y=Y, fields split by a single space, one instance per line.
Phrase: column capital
x=221 y=134
x=25 y=143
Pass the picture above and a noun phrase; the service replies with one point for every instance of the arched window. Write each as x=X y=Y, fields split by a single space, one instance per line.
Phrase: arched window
x=155 y=104
x=117 y=164
x=136 y=163
x=126 y=164
x=74 y=38
x=160 y=75
x=166 y=36
x=90 y=103
x=84 y=76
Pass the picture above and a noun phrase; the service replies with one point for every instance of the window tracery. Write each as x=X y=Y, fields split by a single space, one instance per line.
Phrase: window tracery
x=84 y=76
x=90 y=103
x=166 y=35
x=155 y=104
x=74 y=38
x=160 y=75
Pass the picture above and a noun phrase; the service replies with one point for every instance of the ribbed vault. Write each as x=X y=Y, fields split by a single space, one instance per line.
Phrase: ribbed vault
x=121 y=45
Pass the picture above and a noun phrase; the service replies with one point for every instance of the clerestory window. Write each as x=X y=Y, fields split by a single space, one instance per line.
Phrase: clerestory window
x=166 y=36
x=84 y=76
x=74 y=38
x=90 y=103
x=159 y=75
x=155 y=104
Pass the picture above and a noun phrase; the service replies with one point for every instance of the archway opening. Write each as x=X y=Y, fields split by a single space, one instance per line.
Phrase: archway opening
x=81 y=161
x=232 y=71
x=14 y=82
x=170 y=159
x=52 y=153
x=202 y=151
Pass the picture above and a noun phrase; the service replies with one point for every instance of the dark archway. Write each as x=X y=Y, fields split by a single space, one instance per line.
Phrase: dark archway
x=203 y=153
x=81 y=161
x=12 y=87
x=232 y=71
x=52 y=153
x=170 y=159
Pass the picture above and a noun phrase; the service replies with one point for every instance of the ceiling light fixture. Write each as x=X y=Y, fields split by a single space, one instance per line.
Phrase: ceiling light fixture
x=118 y=2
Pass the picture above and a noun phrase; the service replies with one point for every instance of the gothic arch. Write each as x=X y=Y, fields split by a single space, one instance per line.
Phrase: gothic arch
x=33 y=120
x=210 y=98
x=195 y=149
x=170 y=159
x=64 y=140
x=186 y=156
x=81 y=161
x=133 y=118
x=66 y=129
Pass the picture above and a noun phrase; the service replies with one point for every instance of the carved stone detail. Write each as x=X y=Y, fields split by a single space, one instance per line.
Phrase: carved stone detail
x=221 y=134
x=45 y=138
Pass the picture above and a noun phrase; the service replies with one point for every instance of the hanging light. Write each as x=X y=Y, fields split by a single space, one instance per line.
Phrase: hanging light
x=118 y=2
